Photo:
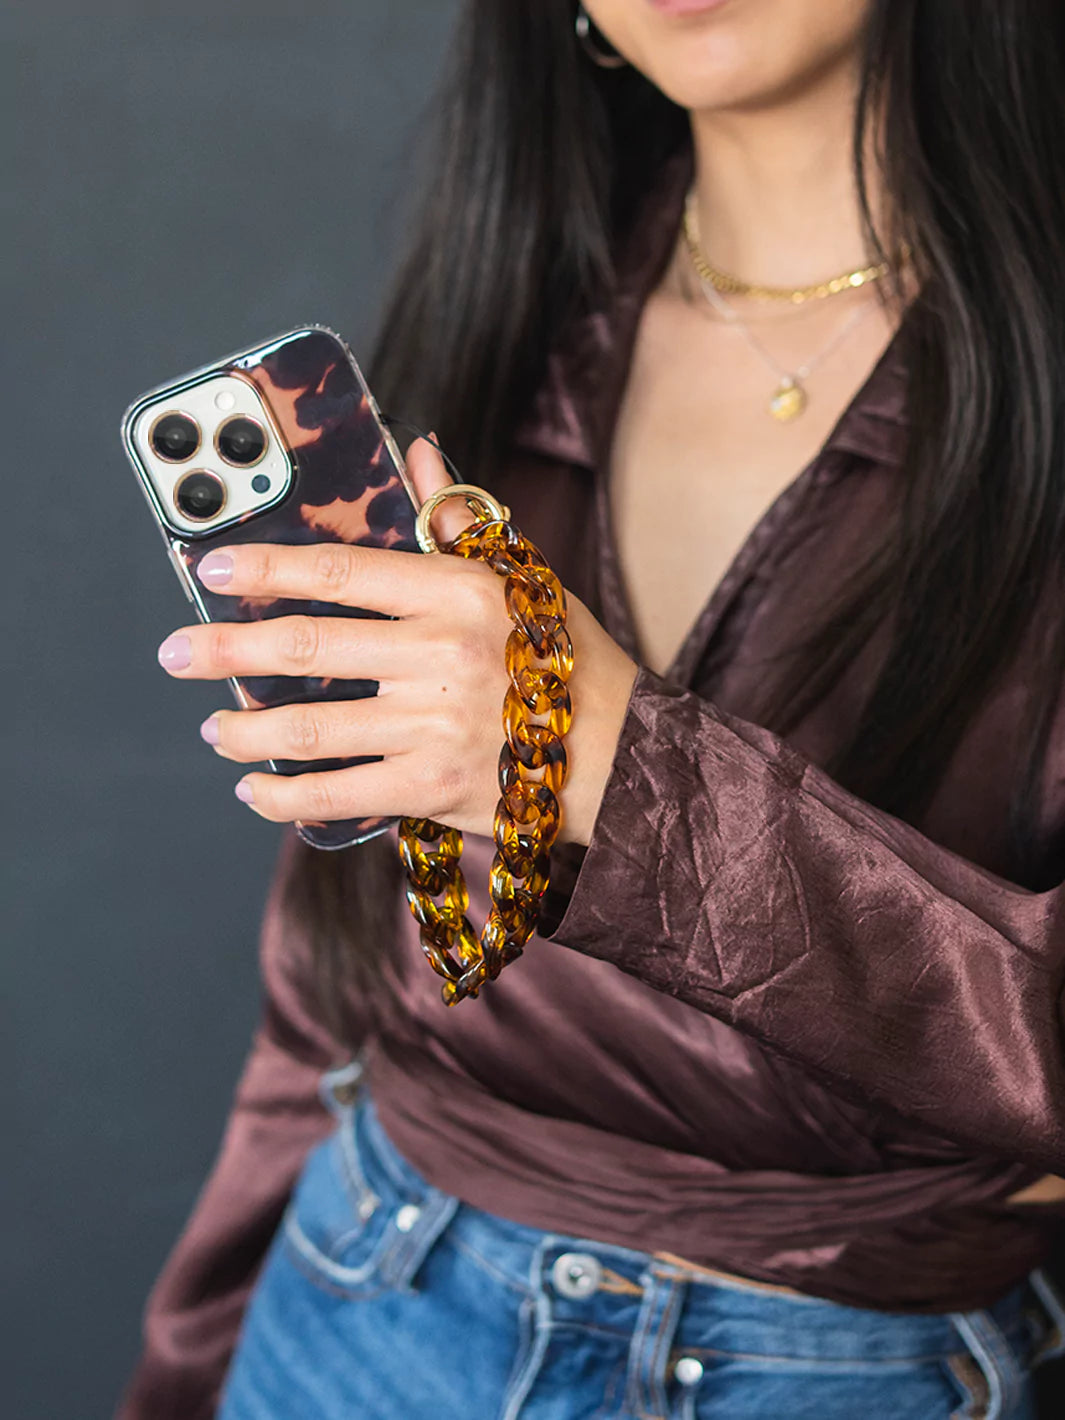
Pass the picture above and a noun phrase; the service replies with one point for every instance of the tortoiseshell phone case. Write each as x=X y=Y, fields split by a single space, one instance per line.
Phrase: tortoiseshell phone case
x=347 y=484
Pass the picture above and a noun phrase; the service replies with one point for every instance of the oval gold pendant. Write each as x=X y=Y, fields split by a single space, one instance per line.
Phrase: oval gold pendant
x=788 y=402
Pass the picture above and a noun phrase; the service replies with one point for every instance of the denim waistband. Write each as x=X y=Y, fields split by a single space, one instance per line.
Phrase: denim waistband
x=739 y=1315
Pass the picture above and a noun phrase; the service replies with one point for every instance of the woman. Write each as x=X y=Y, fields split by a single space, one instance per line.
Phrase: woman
x=750 y=311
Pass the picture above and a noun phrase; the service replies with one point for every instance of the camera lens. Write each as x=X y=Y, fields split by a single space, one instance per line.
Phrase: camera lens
x=241 y=441
x=200 y=495
x=175 y=437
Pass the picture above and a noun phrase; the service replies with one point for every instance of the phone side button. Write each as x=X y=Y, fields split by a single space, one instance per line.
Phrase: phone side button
x=178 y=563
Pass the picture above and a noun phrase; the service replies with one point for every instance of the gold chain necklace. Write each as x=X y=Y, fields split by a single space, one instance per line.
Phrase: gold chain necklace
x=733 y=286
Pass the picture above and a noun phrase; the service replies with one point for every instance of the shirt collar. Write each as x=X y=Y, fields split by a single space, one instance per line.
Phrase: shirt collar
x=571 y=411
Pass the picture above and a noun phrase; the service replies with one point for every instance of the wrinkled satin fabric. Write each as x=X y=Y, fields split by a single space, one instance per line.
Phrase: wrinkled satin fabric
x=765 y=1026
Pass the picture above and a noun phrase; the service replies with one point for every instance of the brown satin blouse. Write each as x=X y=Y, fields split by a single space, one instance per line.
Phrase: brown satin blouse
x=767 y=1026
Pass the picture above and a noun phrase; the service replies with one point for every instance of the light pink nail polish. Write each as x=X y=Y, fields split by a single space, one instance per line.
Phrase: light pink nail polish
x=209 y=730
x=216 y=569
x=175 y=653
x=243 y=792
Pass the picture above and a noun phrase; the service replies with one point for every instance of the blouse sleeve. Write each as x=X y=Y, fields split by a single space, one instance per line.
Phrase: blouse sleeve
x=727 y=870
x=195 y=1309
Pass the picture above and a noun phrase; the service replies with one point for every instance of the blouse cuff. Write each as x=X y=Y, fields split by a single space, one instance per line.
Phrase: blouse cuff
x=618 y=898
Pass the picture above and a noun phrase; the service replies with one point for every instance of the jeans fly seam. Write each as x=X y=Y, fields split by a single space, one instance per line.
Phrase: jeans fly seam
x=666 y=1328
x=541 y=1311
x=643 y=1325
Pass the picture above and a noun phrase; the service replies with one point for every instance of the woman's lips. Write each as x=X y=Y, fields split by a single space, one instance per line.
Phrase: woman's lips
x=686 y=7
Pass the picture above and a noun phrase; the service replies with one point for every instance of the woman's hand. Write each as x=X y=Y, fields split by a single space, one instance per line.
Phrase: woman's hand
x=437 y=718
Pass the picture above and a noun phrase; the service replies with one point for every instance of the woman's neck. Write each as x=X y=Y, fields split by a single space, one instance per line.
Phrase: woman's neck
x=777 y=202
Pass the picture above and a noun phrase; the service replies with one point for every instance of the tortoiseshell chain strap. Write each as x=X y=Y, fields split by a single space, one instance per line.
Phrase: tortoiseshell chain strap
x=532 y=764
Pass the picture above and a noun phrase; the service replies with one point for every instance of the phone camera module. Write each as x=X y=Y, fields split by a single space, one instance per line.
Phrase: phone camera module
x=174 y=437
x=241 y=441
x=200 y=496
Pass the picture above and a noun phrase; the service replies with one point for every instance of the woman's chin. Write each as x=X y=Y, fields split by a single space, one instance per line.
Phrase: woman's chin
x=709 y=82
x=737 y=56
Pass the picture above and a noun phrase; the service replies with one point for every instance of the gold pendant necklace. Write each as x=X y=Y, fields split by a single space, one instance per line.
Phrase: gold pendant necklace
x=789 y=397
x=788 y=402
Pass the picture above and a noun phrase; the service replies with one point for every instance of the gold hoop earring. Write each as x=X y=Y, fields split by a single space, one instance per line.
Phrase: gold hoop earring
x=605 y=59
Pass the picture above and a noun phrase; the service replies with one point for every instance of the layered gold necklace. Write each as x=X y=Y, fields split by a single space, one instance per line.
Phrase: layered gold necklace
x=789 y=398
x=795 y=295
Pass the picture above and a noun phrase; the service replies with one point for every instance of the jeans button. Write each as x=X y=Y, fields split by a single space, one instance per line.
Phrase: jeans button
x=407 y=1216
x=688 y=1370
x=576 y=1275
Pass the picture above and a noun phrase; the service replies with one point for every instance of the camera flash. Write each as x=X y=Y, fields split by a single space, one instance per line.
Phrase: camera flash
x=224 y=400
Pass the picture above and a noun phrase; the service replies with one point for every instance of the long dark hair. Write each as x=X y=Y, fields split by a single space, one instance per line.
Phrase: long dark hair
x=540 y=162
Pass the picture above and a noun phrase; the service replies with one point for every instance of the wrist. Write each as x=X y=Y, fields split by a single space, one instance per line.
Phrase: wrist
x=598 y=719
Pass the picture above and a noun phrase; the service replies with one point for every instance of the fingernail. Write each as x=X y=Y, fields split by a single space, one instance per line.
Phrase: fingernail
x=209 y=730
x=216 y=569
x=243 y=792
x=175 y=653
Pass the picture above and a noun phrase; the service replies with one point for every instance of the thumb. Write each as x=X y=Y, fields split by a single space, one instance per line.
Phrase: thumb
x=428 y=472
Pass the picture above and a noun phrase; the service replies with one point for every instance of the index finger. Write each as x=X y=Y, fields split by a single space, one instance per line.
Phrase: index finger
x=374 y=578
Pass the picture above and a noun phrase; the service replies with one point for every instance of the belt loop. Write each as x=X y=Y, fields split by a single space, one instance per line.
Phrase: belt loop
x=652 y=1342
x=1054 y=1306
x=993 y=1354
x=339 y=1089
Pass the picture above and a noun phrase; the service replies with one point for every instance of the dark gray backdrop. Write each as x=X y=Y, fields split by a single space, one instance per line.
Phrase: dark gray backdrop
x=186 y=183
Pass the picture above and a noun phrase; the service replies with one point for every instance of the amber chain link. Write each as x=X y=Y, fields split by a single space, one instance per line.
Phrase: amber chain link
x=537 y=713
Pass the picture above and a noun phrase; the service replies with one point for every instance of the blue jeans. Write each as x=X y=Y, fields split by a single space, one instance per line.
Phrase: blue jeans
x=383 y=1298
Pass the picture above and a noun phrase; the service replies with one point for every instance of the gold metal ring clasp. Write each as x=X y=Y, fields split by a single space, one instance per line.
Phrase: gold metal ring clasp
x=480 y=503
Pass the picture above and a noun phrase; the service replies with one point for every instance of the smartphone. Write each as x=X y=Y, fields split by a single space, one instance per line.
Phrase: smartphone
x=280 y=443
